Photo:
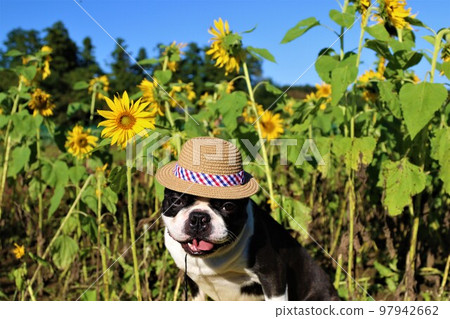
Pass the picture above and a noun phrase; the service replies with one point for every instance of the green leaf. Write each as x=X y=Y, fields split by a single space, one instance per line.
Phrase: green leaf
x=446 y=69
x=325 y=64
x=379 y=47
x=356 y=152
x=405 y=59
x=13 y=53
x=71 y=225
x=416 y=22
x=193 y=129
x=64 y=250
x=401 y=180
x=390 y=97
x=163 y=77
x=249 y=31
x=76 y=173
x=74 y=107
x=55 y=174
x=383 y=270
x=89 y=226
x=261 y=53
x=301 y=215
x=19 y=158
x=272 y=89
x=342 y=77
x=148 y=61
x=344 y=19
x=55 y=200
x=28 y=72
x=379 y=32
x=89 y=197
x=109 y=199
x=231 y=106
x=419 y=102
x=80 y=85
x=440 y=151
x=299 y=29
x=118 y=178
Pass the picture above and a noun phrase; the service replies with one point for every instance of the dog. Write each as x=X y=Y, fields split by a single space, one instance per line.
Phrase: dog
x=236 y=251
x=229 y=248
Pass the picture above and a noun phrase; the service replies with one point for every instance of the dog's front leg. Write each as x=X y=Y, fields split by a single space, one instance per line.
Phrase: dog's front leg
x=274 y=286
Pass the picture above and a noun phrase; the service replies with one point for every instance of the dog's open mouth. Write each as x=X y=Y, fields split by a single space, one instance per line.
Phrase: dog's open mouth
x=199 y=247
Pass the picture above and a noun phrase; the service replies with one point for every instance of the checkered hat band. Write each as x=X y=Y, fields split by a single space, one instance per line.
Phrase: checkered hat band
x=209 y=179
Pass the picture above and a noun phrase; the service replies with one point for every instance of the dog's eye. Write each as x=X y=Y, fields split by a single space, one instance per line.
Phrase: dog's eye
x=228 y=206
x=178 y=201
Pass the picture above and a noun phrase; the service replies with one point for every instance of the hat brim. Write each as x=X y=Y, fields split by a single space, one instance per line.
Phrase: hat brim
x=167 y=178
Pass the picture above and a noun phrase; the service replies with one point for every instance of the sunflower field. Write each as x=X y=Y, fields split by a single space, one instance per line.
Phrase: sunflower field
x=79 y=220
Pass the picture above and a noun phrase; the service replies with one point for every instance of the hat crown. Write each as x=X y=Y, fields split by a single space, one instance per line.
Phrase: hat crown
x=210 y=155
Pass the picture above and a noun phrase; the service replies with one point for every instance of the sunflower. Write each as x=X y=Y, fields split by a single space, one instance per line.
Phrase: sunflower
x=40 y=103
x=173 y=52
x=184 y=89
x=362 y=8
x=323 y=90
x=311 y=97
x=249 y=115
x=230 y=87
x=393 y=13
x=226 y=47
x=369 y=75
x=381 y=66
x=46 y=67
x=288 y=107
x=19 y=251
x=80 y=143
x=149 y=94
x=369 y=96
x=126 y=119
x=271 y=125
x=102 y=83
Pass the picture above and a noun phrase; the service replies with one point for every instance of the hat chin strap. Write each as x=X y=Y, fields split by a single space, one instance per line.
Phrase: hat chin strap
x=209 y=179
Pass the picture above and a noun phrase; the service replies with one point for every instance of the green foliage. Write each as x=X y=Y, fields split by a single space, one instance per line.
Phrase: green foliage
x=401 y=180
x=440 y=150
x=64 y=250
x=299 y=29
x=419 y=102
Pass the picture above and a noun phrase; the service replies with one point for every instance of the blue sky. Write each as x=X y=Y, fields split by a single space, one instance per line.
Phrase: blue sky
x=146 y=23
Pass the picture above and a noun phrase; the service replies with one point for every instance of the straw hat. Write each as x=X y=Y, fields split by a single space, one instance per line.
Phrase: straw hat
x=208 y=167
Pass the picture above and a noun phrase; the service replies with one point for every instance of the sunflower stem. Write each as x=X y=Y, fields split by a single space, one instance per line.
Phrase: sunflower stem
x=94 y=93
x=341 y=35
x=8 y=146
x=261 y=140
x=166 y=104
x=101 y=247
x=40 y=212
x=132 y=233
x=61 y=226
x=361 y=35
x=437 y=47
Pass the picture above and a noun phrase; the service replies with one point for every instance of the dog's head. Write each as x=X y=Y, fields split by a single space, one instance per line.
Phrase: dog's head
x=203 y=226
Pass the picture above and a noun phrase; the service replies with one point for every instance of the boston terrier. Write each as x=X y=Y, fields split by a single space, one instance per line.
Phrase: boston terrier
x=233 y=250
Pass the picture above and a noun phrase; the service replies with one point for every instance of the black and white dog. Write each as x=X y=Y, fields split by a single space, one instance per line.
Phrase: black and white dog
x=236 y=251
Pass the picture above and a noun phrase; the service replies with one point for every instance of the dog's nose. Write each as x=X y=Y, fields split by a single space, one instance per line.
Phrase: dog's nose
x=199 y=220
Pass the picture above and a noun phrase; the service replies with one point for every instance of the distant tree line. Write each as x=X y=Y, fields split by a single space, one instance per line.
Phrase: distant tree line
x=71 y=64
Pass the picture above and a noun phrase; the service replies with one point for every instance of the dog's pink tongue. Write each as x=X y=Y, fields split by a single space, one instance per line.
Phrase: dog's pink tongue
x=202 y=245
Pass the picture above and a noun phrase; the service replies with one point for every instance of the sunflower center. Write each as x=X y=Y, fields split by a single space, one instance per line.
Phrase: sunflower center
x=82 y=142
x=41 y=102
x=268 y=126
x=126 y=121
